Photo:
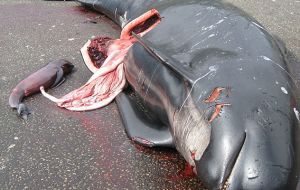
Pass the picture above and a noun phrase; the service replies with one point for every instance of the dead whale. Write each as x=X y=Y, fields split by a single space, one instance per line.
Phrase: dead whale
x=211 y=82
x=49 y=76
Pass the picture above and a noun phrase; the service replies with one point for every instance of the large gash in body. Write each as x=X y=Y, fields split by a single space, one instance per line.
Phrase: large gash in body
x=211 y=82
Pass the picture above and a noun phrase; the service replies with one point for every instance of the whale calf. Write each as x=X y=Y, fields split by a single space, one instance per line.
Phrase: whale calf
x=211 y=82
x=50 y=75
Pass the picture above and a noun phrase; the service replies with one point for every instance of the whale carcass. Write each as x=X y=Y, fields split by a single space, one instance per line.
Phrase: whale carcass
x=211 y=82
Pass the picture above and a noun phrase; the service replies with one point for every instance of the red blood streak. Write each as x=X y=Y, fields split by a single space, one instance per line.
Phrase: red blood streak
x=186 y=173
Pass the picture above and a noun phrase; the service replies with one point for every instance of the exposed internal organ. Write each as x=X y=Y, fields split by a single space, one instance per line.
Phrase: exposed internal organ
x=218 y=109
x=97 y=50
x=108 y=79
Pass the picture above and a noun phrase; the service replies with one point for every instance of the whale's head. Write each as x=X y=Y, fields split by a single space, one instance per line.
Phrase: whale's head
x=236 y=122
x=240 y=130
x=66 y=66
x=254 y=137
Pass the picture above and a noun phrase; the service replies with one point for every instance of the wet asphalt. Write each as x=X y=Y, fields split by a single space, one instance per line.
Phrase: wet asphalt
x=59 y=149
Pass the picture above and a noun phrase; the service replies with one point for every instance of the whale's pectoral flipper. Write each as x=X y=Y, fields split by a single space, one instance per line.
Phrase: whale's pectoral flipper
x=59 y=78
x=140 y=128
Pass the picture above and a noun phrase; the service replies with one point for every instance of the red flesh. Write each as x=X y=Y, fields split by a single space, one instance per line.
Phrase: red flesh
x=97 y=50
x=218 y=109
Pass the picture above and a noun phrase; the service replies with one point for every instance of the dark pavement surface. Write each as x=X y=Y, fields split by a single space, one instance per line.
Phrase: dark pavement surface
x=60 y=149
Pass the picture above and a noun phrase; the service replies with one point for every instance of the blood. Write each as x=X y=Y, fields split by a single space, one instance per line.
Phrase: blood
x=158 y=153
x=83 y=11
x=186 y=173
x=142 y=141
x=145 y=25
x=193 y=154
x=102 y=144
x=117 y=163
x=218 y=109
x=97 y=50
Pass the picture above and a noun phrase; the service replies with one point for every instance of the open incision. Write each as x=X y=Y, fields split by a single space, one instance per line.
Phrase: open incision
x=144 y=26
x=97 y=48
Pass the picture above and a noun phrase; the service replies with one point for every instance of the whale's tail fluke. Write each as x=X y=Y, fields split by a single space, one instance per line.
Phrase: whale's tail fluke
x=23 y=111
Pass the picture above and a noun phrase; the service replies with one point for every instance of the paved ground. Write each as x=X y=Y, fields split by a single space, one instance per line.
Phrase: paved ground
x=58 y=149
